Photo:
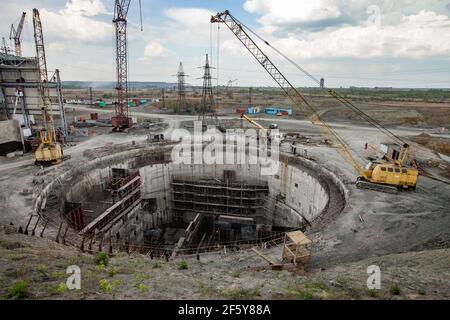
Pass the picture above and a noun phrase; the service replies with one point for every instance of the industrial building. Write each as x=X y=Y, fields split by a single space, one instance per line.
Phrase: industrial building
x=20 y=97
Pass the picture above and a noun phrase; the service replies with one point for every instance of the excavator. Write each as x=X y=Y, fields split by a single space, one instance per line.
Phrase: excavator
x=388 y=175
x=49 y=151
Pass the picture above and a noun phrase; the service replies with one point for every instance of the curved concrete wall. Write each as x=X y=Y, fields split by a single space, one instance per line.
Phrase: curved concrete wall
x=297 y=192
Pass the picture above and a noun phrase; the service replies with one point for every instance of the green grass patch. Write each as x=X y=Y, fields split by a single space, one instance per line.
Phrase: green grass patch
x=306 y=294
x=62 y=288
x=19 y=290
x=112 y=272
x=206 y=290
x=372 y=293
x=183 y=265
x=101 y=258
x=236 y=274
x=142 y=287
x=17 y=256
x=105 y=286
x=395 y=289
x=239 y=294
x=422 y=292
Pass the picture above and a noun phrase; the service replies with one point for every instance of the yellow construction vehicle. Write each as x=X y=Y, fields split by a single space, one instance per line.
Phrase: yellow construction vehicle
x=388 y=175
x=49 y=151
x=263 y=132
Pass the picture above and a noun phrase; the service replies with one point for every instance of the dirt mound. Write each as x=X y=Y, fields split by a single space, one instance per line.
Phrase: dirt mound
x=440 y=145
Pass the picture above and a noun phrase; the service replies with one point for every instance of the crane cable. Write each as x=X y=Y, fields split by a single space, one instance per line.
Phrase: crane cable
x=333 y=93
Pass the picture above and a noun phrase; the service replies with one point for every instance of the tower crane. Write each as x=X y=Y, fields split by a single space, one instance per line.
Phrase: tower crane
x=386 y=177
x=49 y=151
x=121 y=119
x=15 y=35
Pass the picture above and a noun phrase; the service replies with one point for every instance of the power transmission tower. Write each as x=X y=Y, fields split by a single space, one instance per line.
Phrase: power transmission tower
x=181 y=89
x=207 y=105
x=90 y=96
x=163 y=99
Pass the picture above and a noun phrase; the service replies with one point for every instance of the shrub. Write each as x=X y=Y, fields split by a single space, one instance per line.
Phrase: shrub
x=157 y=265
x=142 y=287
x=101 y=258
x=62 y=288
x=422 y=292
x=183 y=265
x=100 y=267
x=19 y=290
x=236 y=274
x=395 y=289
x=112 y=272
x=306 y=294
x=105 y=286
x=372 y=292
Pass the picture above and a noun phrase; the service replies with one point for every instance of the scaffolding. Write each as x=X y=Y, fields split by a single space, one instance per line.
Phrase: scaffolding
x=215 y=197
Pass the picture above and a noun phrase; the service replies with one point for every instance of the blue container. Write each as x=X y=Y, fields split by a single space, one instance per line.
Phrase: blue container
x=272 y=111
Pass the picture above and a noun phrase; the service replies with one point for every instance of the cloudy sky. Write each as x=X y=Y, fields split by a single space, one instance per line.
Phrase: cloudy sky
x=399 y=43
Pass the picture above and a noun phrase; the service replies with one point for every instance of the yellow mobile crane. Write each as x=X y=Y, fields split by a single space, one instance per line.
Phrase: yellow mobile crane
x=386 y=176
x=49 y=151
x=262 y=132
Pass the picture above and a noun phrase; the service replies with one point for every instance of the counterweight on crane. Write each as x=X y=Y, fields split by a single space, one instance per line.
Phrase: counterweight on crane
x=15 y=35
x=49 y=150
x=387 y=177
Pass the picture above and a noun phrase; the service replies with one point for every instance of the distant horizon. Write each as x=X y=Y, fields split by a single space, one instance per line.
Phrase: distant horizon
x=238 y=86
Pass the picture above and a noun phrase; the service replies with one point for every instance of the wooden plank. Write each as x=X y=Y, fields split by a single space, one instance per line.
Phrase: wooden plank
x=262 y=255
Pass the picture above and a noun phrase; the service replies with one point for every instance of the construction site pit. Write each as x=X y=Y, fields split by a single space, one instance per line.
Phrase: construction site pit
x=140 y=200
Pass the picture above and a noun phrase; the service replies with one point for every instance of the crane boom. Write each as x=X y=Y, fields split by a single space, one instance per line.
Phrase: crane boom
x=49 y=150
x=121 y=120
x=16 y=33
x=386 y=177
x=253 y=122
x=44 y=88
x=294 y=95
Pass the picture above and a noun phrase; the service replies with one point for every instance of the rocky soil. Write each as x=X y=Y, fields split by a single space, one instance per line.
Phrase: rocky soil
x=35 y=268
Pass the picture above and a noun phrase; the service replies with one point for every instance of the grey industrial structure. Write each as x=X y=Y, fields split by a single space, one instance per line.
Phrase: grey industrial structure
x=20 y=98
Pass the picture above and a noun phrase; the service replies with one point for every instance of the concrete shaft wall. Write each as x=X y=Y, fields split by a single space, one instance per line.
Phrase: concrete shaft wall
x=10 y=131
x=295 y=193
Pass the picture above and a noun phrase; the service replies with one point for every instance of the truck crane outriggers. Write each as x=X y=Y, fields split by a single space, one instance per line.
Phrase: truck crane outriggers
x=388 y=176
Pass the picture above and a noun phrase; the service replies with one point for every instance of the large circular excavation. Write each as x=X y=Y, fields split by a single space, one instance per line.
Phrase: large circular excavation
x=191 y=207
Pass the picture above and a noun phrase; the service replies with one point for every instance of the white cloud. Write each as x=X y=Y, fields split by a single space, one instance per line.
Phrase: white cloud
x=189 y=17
x=155 y=50
x=292 y=11
x=409 y=35
x=76 y=23
x=415 y=36
x=87 y=8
